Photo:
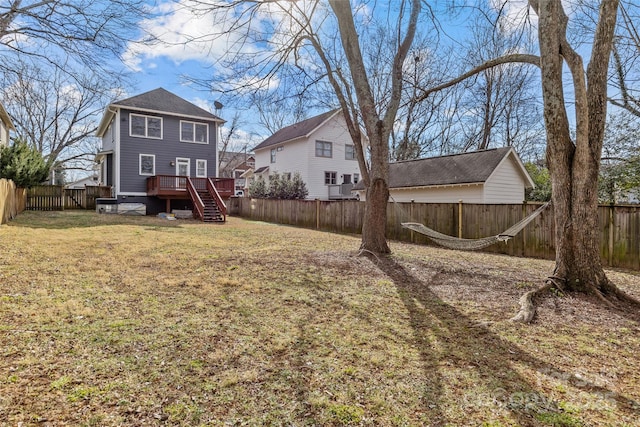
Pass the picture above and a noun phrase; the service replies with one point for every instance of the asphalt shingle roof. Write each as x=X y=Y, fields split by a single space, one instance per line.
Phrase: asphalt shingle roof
x=162 y=100
x=296 y=130
x=465 y=168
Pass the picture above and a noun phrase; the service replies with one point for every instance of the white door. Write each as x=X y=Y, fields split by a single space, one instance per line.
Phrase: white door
x=182 y=169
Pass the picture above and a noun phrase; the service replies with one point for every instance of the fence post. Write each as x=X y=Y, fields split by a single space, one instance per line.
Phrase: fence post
x=611 y=231
x=317 y=214
x=460 y=219
x=412 y=237
x=524 y=234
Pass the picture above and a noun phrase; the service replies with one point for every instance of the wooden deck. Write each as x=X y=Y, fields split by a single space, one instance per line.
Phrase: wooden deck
x=175 y=187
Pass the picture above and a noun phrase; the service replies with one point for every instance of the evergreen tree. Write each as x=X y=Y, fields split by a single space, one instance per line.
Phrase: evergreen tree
x=23 y=165
x=258 y=189
x=298 y=187
x=542 y=180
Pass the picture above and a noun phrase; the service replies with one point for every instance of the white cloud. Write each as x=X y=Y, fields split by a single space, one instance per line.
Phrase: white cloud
x=182 y=31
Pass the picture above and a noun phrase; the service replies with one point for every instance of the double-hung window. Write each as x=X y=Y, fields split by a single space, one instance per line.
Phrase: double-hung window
x=330 y=178
x=324 y=149
x=201 y=168
x=145 y=126
x=349 y=152
x=147 y=164
x=194 y=132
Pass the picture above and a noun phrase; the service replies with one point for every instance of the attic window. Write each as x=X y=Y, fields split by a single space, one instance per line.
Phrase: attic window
x=145 y=126
x=194 y=132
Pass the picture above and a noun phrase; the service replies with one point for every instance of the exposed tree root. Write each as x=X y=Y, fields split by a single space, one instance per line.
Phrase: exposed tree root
x=604 y=299
x=611 y=296
x=527 y=307
x=370 y=254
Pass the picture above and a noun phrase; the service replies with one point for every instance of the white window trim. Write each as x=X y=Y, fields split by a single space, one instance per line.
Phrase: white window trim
x=140 y=164
x=205 y=168
x=146 y=126
x=184 y=160
x=194 y=132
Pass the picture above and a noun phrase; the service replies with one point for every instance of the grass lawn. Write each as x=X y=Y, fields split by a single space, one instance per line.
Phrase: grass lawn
x=134 y=321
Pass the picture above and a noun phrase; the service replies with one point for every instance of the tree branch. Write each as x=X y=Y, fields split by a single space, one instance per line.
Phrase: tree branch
x=507 y=59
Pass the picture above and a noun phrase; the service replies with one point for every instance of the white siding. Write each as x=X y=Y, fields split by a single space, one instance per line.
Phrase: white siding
x=506 y=183
x=4 y=134
x=450 y=194
x=300 y=156
x=333 y=131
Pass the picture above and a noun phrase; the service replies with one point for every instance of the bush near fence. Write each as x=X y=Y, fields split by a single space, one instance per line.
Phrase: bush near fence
x=619 y=225
x=12 y=200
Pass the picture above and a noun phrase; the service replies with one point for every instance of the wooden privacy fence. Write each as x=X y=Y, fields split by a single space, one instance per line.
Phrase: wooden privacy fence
x=56 y=197
x=12 y=200
x=619 y=225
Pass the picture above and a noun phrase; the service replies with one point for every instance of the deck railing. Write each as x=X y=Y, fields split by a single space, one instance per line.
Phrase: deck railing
x=216 y=195
x=340 y=191
x=198 y=204
x=176 y=186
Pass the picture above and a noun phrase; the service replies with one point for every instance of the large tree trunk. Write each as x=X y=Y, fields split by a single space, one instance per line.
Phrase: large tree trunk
x=378 y=126
x=574 y=165
x=374 y=224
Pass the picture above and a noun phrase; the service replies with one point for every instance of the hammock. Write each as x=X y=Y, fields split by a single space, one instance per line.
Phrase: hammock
x=473 y=244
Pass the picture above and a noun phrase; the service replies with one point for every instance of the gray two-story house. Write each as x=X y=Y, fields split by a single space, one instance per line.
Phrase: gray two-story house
x=161 y=150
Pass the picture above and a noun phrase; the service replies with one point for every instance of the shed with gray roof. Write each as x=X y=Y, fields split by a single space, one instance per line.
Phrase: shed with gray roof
x=488 y=176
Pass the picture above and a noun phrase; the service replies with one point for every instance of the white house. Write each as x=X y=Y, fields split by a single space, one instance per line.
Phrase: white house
x=6 y=125
x=84 y=182
x=488 y=176
x=320 y=149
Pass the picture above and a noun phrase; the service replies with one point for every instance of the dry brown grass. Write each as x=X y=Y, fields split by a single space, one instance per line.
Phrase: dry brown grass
x=109 y=320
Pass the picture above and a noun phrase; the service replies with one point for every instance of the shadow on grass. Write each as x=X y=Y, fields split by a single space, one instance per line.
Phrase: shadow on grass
x=465 y=345
x=58 y=220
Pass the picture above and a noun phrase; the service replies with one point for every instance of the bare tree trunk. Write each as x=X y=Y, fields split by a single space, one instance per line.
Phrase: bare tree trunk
x=574 y=166
x=374 y=225
x=378 y=125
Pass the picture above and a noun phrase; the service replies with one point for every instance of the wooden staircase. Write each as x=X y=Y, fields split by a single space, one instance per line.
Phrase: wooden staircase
x=211 y=210
x=207 y=203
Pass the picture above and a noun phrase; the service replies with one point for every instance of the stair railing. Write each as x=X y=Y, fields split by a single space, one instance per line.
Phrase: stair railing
x=198 y=204
x=211 y=188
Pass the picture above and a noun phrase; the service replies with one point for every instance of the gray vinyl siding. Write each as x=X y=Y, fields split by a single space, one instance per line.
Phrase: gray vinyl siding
x=166 y=150
x=108 y=140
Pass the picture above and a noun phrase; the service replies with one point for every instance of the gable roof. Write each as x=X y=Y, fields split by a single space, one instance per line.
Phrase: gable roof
x=466 y=168
x=157 y=101
x=297 y=130
x=6 y=119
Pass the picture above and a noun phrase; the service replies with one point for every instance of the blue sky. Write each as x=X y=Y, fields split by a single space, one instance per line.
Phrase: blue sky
x=164 y=64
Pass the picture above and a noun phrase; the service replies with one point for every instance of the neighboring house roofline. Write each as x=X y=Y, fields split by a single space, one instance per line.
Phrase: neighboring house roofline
x=302 y=129
x=4 y=116
x=464 y=184
x=248 y=173
x=454 y=169
x=521 y=168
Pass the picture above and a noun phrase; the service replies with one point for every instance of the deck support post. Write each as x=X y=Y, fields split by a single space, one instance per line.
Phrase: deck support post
x=168 y=206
